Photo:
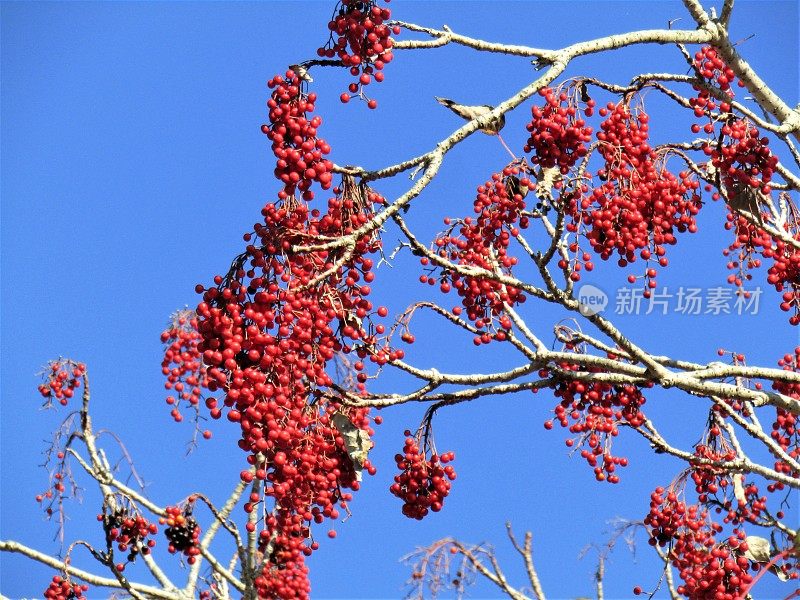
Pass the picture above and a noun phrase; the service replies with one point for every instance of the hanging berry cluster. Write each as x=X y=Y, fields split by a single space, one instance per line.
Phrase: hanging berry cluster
x=270 y=328
x=784 y=271
x=182 y=531
x=640 y=205
x=711 y=70
x=299 y=152
x=423 y=483
x=742 y=162
x=709 y=480
x=57 y=491
x=747 y=504
x=740 y=155
x=740 y=501
x=748 y=240
x=360 y=39
x=483 y=241
x=710 y=66
x=283 y=578
x=742 y=158
x=558 y=134
x=129 y=530
x=183 y=365
x=593 y=410
x=285 y=574
x=61 y=378
x=61 y=588
x=785 y=428
x=710 y=570
x=59 y=480
x=272 y=324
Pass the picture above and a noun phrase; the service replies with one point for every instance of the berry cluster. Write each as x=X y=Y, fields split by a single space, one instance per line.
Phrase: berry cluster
x=666 y=517
x=784 y=274
x=715 y=485
x=711 y=67
x=744 y=165
x=746 y=506
x=129 y=530
x=285 y=575
x=183 y=364
x=58 y=489
x=299 y=152
x=558 y=134
x=61 y=378
x=784 y=271
x=641 y=205
x=785 y=428
x=360 y=39
x=483 y=241
x=183 y=531
x=742 y=158
x=270 y=328
x=60 y=478
x=740 y=155
x=62 y=588
x=712 y=70
x=593 y=410
x=423 y=483
x=708 y=479
x=710 y=570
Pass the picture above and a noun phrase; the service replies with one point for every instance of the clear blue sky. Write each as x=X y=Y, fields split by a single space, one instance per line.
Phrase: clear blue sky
x=132 y=162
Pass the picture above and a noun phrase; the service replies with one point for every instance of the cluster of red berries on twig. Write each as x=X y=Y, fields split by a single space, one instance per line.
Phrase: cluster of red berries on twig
x=710 y=66
x=710 y=480
x=483 y=241
x=61 y=378
x=423 y=482
x=710 y=569
x=60 y=479
x=299 y=152
x=753 y=244
x=593 y=410
x=740 y=155
x=285 y=574
x=741 y=161
x=743 y=252
x=182 y=531
x=56 y=493
x=558 y=133
x=742 y=158
x=128 y=530
x=640 y=206
x=712 y=72
x=786 y=427
x=270 y=327
x=739 y=500
x=360 y=39
x=61 y=588
x=747 y=504
x=183 y=364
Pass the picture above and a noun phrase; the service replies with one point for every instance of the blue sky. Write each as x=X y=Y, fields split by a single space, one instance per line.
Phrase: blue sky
x=132 y=162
